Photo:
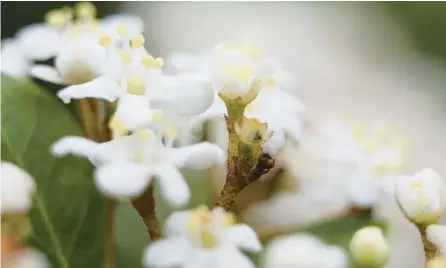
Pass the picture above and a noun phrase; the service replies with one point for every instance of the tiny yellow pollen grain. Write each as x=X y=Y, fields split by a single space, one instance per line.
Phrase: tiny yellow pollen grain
x=270 y=81
x=125 y=56
x=147 y=61
x=68 y=12
x=157 y=116
x=229 y=219
x=143 y=134
x=104 y=40
x=122 y=29
x=85 y=10
x=159 y=62
x=135 y=85
x=138 y=41
x=171 y=132
x=117 y=126
x=56 y=18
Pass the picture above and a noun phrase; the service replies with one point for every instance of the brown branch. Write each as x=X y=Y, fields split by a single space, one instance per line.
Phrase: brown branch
x=145 y=205
x=430 y=250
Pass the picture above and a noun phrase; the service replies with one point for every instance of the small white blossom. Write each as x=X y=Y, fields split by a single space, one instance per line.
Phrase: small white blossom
x=303 y=251
x=203 y=239
x=27 y=257
x=369 y=247
x=17 y=189
x=126 y=165
x=421 y=197
x=13 y=60
x=73 y=43
x=437 y=235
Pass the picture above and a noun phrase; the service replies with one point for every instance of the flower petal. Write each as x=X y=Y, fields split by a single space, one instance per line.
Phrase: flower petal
x=17 y=188
x=77 y=146
x=244 y=237
x=39 y=41
x=46 y=73
x=102 y=88
x=183 y=97
x=133 y=111
x=198 y=156
x=173 y=186
x=124 y=179
x=176 y=223
x=293 y=126
x=166 y=253
x=201 y=259
x=216 y=110
x=231 y=257
x=13 y=60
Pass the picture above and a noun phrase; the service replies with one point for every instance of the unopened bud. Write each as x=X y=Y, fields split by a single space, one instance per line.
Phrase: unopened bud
x=369 y=247
x=251 y=130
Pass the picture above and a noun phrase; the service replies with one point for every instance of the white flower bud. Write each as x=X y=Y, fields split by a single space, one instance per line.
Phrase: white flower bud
x=422 y=197
x=17 y=189
x=369 y=247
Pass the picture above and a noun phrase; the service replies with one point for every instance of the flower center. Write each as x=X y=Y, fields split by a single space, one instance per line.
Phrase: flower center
x=242 y=71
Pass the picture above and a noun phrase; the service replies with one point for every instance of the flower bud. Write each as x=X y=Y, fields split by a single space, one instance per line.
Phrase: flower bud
x=422 y=197
x=369 y=247
x=251 y=130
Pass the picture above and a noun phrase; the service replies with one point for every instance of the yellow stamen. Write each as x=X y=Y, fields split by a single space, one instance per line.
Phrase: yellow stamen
x=105 y=40
x=143 y=134
x=157 y=116
x=56 y=18
x=229 y=219
x=122 y=29
x=85 y=10
x=159 y=63
x=243 y=71
x=135 y=85
x=76 y=29
x=125 y=56
x=68 y=12
x=117 y=126
x=138 y=41
x=147 y=61
x=270 y=81
x=171 y=132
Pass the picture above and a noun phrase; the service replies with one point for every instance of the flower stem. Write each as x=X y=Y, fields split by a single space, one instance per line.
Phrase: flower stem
x=145 y=205
x=430 y=249
x=110 y=249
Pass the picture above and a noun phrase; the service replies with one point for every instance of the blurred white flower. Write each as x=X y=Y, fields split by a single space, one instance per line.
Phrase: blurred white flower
x=437 y=235
x=231 y=68
x=133 y=77
x=421 y=197
x=303 y=251
x=140 y=157
x=203 y=239
x=369 y=247
x=13 y=60
x=26 y=258
x=17 y=189
x=73 y=42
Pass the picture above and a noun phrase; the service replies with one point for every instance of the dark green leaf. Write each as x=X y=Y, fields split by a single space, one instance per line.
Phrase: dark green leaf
x=68 y=213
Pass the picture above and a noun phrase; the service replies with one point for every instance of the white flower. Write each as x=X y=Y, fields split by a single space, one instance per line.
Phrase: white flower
x=13 y=60
x=133 y=77
x=203 y=239
x=303 y=251
x=437 y=235
x=126 y=165
x=74 y=43
x=28 y=258
x=369 y=247
x=421 y=197
x=17 y=189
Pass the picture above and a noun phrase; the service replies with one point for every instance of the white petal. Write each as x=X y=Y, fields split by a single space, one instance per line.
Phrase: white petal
x=292 y=125
x=231 y=257
x=17 y=188
x=181 y=97
x=46 y=73
x=201 y=259
x=78 y=146
x=124 y=179
x=176 y=223
x=276 y=142
x=110 y=24
x=216 y=110
x=39 y=41
x=102 y=88
x=166 y=253
x=13 y=61
x=244 y=237
x=173 y=186
x=133 y=111
x=437 y=235
x=190 y=62
x=198 y=156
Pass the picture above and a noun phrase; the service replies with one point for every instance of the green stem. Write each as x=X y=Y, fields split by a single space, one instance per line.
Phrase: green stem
x=430 y=249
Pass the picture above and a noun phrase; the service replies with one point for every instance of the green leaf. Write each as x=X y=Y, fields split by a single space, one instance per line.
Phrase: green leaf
x=131 y=233
x=68 y=214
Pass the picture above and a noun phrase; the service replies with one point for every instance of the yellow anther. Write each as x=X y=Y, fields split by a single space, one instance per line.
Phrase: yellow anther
x=117 y=127
x=135 y=85
x=76 y=29
x=68 y=12
x=143 y=134
x=159 y=63
x=157 y=116
x=138 y=41
x=358 y=129
x=147 y=61
x=208 y=239
x=104 y=40
x=270 y=81
x=85 y=10
x=171 y=132
x=56 y=18
x=229 y=219
x=125 y=55
x=243 y=71
x=123 y=29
